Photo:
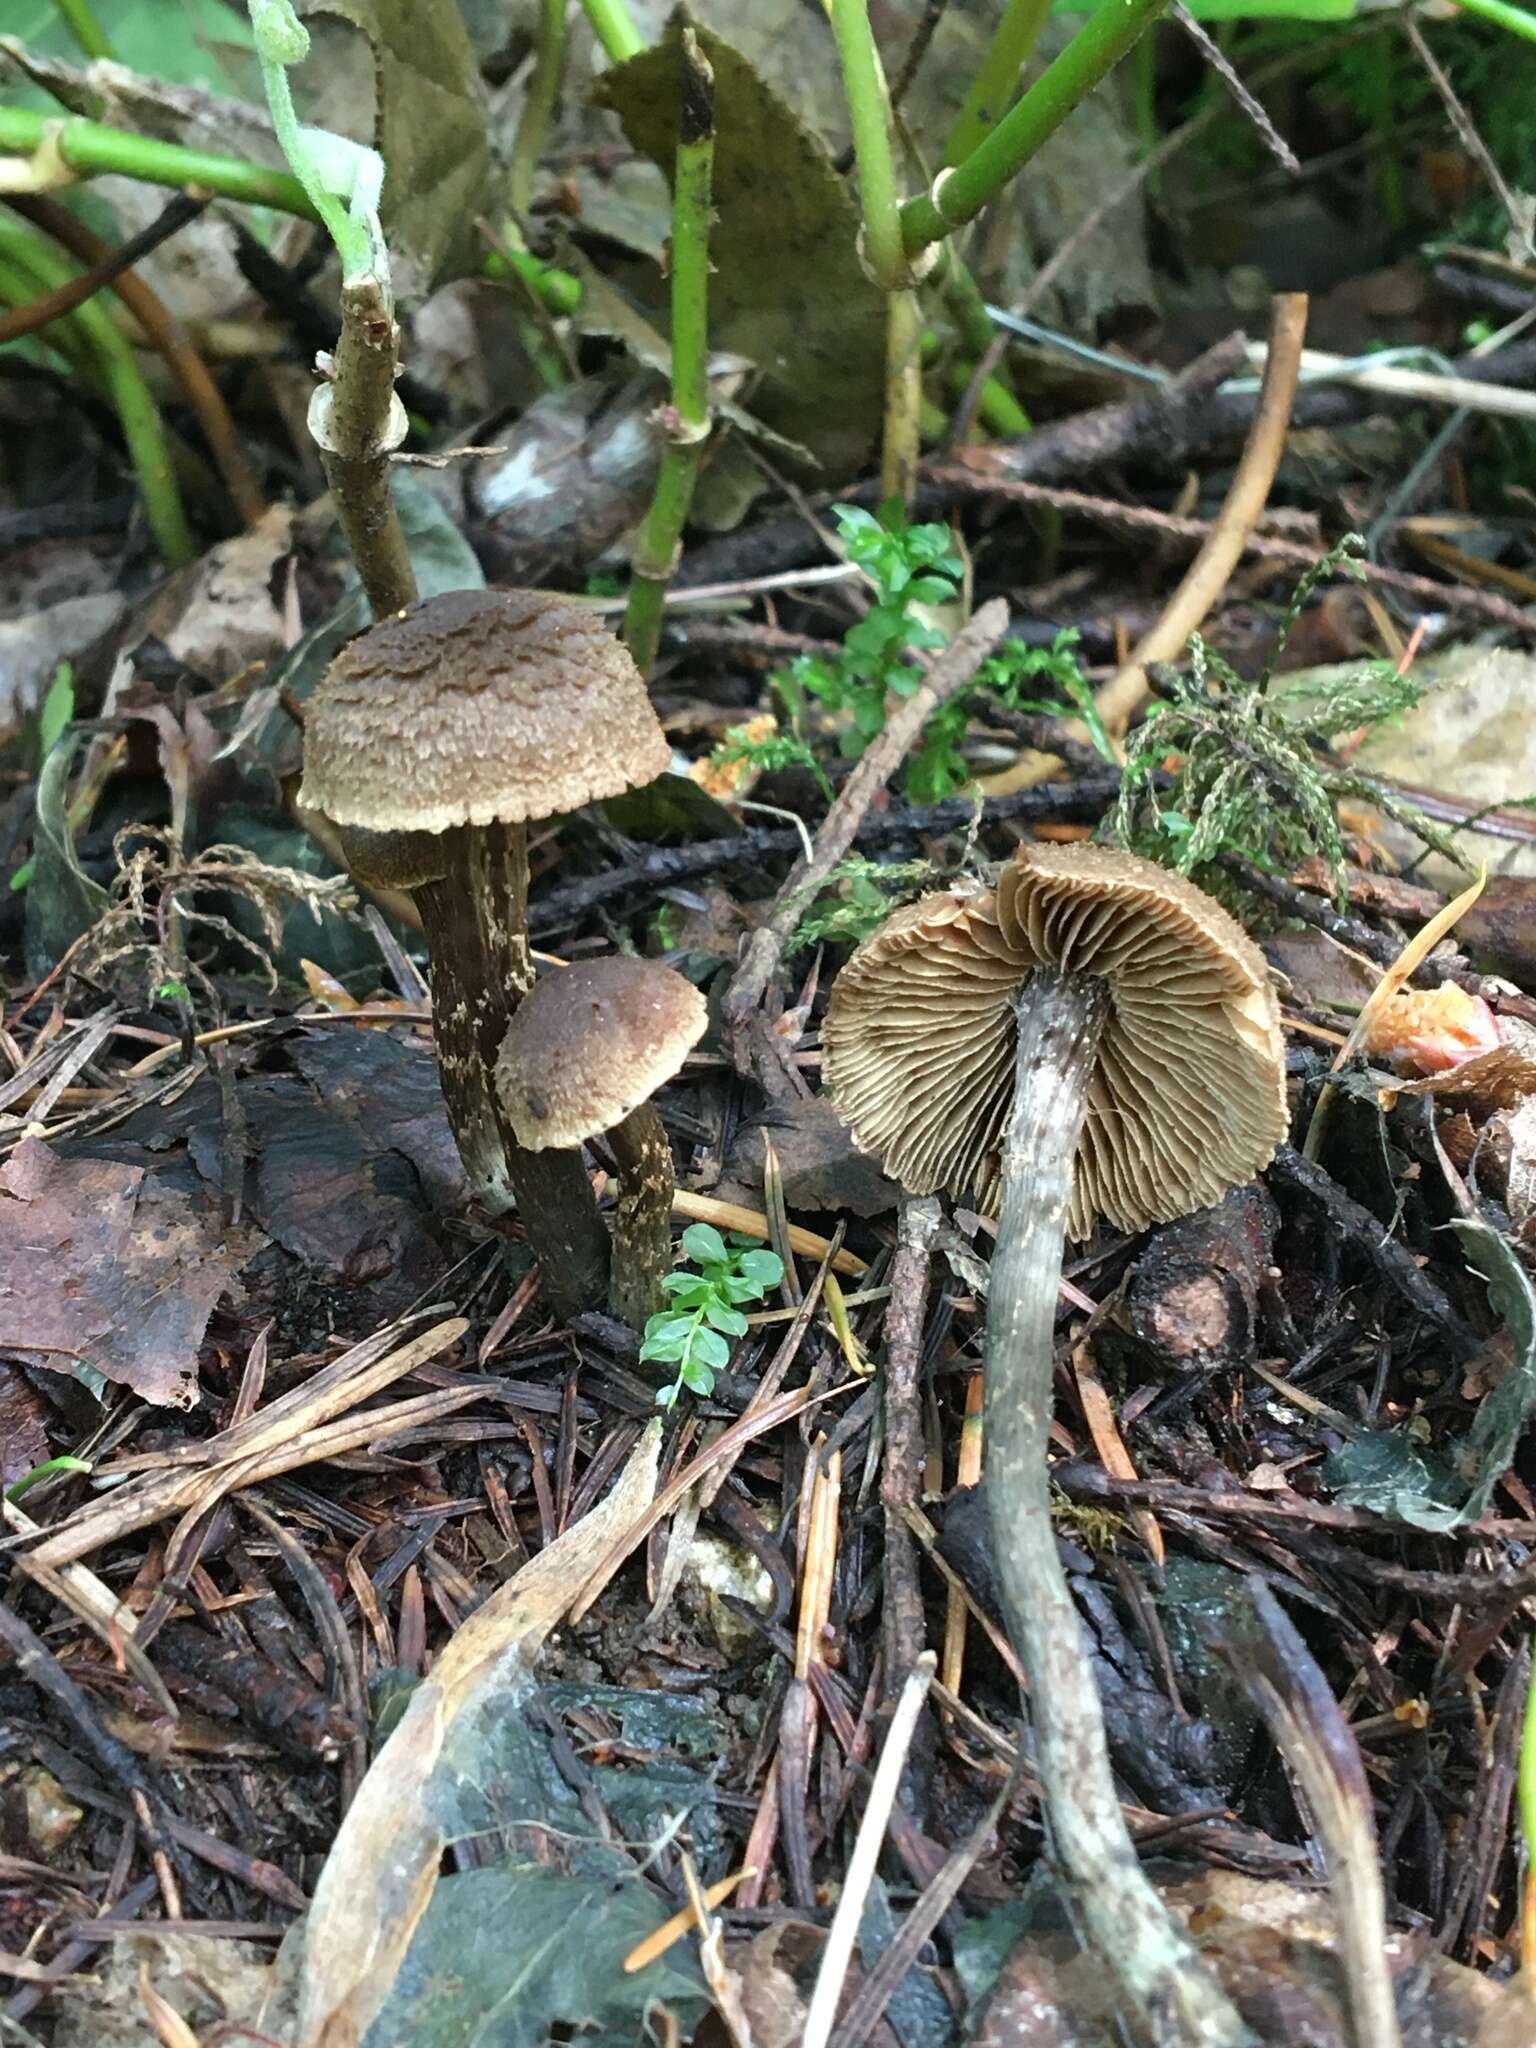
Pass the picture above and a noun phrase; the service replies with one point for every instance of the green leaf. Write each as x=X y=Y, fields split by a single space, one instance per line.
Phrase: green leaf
x=704 y=1245
x=710 y=1348
x=663 y=1350
x=764 y=1269
x=697 y=1376
x=493 y=1961
x=686 y=1289
x=1490 y=1445
x=721 y=1316
x=55 y=711
x=62 y=900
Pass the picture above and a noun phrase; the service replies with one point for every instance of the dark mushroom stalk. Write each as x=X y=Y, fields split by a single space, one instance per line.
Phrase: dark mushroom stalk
x=642 y=1217
x=431 y=741
x=1093 y=1037
x=470 y=885
x=582 y=1057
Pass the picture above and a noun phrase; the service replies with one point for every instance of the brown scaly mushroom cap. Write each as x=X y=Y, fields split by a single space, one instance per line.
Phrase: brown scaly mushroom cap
x=590 y=1043
x=1187 y=1095
x=473 y=707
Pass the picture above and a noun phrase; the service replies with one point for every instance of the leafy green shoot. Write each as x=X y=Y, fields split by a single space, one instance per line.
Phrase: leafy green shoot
x=1228 y=767
x=908 y=565
x=858 y=895
x=938 y=766
x=703 y=1314
x=770 y=754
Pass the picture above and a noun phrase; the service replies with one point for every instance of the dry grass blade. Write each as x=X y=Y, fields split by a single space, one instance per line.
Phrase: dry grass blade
x=383 y=1866
x=838 y=1953
x=282 y=1437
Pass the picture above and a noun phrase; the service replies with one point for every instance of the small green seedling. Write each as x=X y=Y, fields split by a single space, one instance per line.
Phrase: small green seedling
x=51 y=1470
x=908 y=565
x=704 y=1311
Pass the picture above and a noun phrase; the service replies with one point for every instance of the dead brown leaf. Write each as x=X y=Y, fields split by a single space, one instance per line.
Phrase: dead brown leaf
x=100 y=1263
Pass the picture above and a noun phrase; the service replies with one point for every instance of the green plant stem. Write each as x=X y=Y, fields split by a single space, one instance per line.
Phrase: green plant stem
x=560 y=290
x=31 y=264
x=655 y=556
x=1518 y=20
x=80 y=20
x=539 y=107
x=869 y=111
x=91 y=148
x=903 y=396
x=1094 y=50
x=997 y=76
x=614 y=29
x=999 y=409
x=968 y=310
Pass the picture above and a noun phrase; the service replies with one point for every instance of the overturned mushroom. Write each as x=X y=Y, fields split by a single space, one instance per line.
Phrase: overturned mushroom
x=430 y=741
x=1094 y=1037
x=586 y=1051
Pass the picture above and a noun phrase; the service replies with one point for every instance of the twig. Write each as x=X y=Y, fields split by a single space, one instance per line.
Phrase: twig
x=1063 y=802
x=1146 y=519
x=1518 y=215
x=357 y=422
x=164 y=330
x=950 y=674
x=838 y=1953
x=1207 y=575
x=901 y=1472
x=172 y=217
x=1280 y=1675
x=1257 y=118
x=38 y=1665
x=881 y=1984
x=1160 y=425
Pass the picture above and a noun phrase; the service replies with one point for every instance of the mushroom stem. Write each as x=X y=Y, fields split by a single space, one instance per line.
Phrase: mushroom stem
x=476 y=924
x=1060 y=1019
x=642 y=1222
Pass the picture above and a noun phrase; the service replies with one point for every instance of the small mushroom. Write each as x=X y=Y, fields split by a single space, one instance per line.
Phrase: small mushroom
x=584 y=1054
x=1093 y=1037
x=430 y=742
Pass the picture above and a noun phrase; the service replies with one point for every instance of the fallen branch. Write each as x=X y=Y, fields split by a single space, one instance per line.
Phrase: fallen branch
x=753 y=1049
x=1063 y=802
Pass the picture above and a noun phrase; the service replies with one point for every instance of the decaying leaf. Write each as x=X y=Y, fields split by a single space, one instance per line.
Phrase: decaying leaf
x=500 y=1940
x=430 y=129
x=229 y=617
x=102 y=1264
x=32 y=647
x=786 y=291
x=1390 y=1474
x=382 y=1870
